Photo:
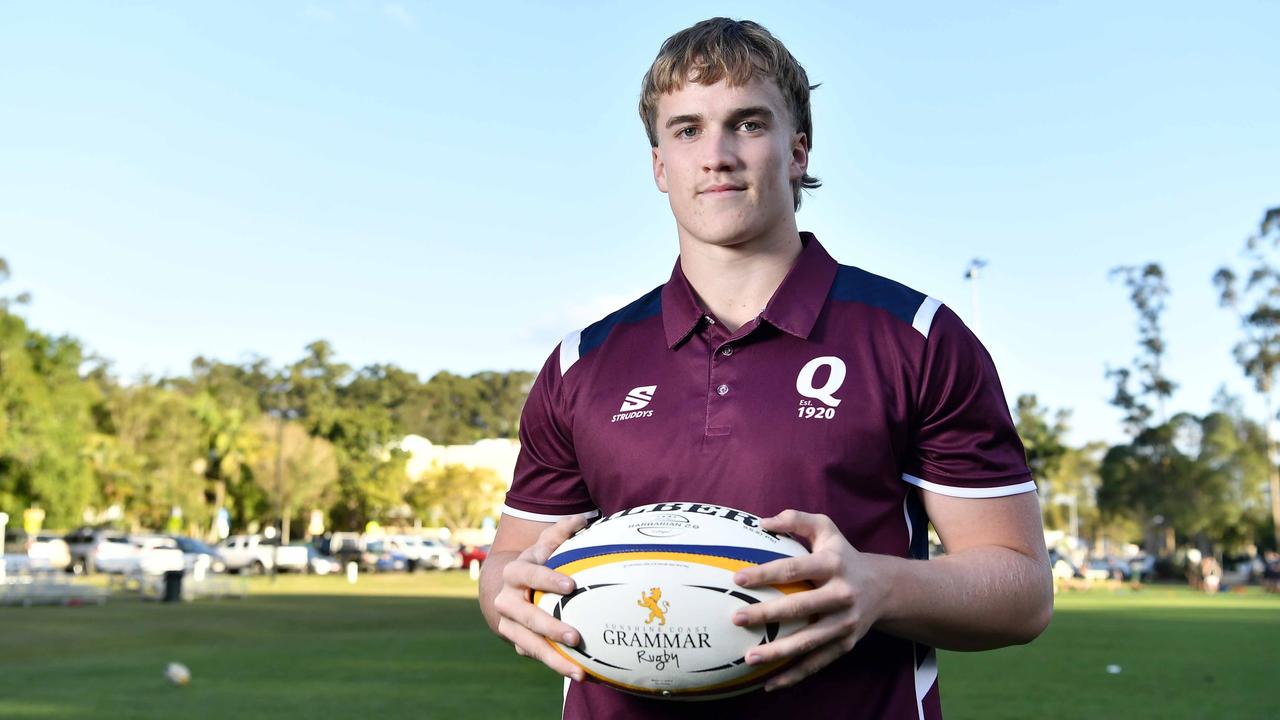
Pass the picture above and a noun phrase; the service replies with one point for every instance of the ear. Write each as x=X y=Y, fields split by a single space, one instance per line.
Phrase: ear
x=659 y=170
x=799 y=156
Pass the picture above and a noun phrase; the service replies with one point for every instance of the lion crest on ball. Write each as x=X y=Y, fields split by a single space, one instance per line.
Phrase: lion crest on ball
x=657 y=607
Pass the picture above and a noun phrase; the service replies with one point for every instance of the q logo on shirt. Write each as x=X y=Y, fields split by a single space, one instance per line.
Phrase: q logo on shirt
x=826 y=393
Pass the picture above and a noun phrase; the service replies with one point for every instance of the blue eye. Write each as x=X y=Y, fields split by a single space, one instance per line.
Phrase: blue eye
x=687 y=132
x=751 y=126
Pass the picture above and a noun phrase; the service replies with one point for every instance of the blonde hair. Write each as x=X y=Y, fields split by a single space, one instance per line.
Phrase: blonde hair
x=734 y=51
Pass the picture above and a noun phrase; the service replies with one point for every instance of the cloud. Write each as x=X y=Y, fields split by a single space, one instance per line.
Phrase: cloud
x=396 y=12
x=318 y=14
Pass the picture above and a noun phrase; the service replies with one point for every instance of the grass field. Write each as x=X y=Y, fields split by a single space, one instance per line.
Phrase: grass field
x=400 y=646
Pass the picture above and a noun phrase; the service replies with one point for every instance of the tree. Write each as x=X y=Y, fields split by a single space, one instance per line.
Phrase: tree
x=1198 y=477
x=461 y=410
x=1138 y=481
x=295 y=470
x=1257 y=303
x=1076 y=479
x=1044 y=439
x=159 y=434
x=1139 y=473
x=1231 y=501
x=45 y=420
x=1147 y=291
x=229 y=442
x=456 y=496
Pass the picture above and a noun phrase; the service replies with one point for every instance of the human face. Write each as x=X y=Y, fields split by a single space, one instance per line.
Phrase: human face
x=726 y=158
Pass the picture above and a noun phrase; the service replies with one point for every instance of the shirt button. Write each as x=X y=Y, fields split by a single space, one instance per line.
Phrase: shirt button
x=727 y=350
x=723 y=390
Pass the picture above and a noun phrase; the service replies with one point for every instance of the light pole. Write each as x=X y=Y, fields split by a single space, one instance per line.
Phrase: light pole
x=1073 y=519
x=973 y=273
x=282 y=411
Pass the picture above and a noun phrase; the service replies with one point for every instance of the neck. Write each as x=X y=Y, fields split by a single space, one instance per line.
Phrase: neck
x=735 y=282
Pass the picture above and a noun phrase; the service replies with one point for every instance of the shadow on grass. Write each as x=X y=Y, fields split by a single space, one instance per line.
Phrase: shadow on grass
x=283 y=656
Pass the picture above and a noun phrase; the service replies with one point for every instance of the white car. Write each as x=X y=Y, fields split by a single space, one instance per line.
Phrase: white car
x=43 y=550
x=440 y=555
x=89 y=545
x=255 y=554
x=425 y=552
x=145 y=554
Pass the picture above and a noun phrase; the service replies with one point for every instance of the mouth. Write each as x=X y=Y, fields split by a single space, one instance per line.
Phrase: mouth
x=722 y=190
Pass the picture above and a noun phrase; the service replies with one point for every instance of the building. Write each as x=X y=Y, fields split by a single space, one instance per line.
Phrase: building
x=496 y=454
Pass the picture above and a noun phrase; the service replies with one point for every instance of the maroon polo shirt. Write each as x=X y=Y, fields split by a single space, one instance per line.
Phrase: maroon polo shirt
x=849 y=395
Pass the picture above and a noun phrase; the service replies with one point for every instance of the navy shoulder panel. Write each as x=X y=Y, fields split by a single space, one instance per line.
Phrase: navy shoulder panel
x=854 y=284
x=644 y=307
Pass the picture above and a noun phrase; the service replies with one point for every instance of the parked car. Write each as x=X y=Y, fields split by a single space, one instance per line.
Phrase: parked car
x=385 y=555
x=254 y=554
x=440 y=555
x=424 y=552
x=346 y=546
x=146 y=554
x=474 y=553
x=44 y=550
x=1097 y=569
x=88 y=544
x=321 y=564
x=195 y=553
x=290 y=558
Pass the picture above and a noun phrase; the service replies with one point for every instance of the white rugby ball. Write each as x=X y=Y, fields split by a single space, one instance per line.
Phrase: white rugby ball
x=177 y=673
x=655 y=599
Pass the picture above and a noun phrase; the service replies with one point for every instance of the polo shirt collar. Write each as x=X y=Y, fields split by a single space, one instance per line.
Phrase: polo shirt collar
x=794 y=307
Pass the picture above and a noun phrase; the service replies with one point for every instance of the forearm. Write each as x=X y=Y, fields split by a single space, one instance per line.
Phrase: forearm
x=491 y=584
x=978 y=599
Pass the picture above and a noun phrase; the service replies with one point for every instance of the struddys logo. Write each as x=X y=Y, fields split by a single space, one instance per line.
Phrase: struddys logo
x=636 y=404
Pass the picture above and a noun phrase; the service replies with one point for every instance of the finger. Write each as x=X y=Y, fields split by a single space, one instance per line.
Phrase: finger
x=534 y=618
x=536 y=647
x=522 y=575
x=554 y=536
x=810 y=664
x=796 y=606
x=806 y=640
x=801 y=524
x=820 y=566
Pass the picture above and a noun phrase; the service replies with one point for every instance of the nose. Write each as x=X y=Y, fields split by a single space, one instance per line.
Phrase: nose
x=721 y=153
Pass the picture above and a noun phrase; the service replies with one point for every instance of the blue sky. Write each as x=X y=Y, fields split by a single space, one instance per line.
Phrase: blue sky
x=456 y=186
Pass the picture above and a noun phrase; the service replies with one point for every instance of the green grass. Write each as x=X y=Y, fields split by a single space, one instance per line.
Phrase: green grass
x=399 y=646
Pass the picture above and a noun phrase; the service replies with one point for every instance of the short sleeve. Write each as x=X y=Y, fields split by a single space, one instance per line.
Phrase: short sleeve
x=548 y=483
x=965 y=442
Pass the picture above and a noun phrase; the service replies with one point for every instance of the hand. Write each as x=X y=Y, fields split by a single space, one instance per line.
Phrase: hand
x=526 y=625
x=845 y=601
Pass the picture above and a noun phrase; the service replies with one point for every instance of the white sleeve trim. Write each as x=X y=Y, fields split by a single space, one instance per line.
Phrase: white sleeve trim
x=924 y=315
x=569 y=351
x=966 y=492
x=538 y=517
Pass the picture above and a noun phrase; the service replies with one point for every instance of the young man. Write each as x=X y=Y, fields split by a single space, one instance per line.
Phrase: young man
x=765 y=376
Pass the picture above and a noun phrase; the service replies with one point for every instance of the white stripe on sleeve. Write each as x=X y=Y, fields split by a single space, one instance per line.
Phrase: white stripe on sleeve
x=538 y=517
x=967 y=492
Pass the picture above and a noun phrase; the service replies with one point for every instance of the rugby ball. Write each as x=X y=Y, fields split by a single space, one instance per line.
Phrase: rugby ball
x=655 y=599
x=177 y=673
